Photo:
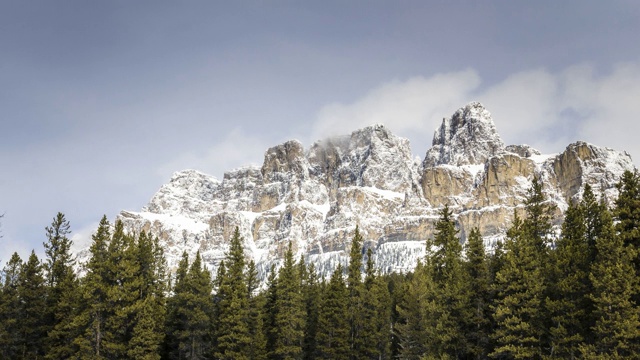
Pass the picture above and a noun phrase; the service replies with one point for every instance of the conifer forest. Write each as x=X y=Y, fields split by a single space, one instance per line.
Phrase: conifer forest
x=542 y=293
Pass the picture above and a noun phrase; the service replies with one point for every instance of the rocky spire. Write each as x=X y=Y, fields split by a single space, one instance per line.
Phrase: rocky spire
x=469 y=136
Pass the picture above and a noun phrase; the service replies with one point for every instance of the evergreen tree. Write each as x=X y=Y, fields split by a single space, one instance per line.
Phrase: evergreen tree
x=568 y=300
x=177 y=332
x=289 y=316
x=627 y=216
x=31 y=320
x=10 y=309
x=257 y=350
x=356 y=293
x=62 y=289
x=617 y=328
x=122 y=293
x=375 y=335
x=90 y=322
x=450 y=293
x=413 y=328
x=311 y=298
x=479 y=277
x=333 y=320
x=148 y=310
x=520 y=292
x=270 y=310
x=233 y=338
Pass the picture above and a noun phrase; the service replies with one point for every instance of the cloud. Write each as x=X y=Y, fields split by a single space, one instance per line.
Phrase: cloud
x=237 y=149
x=545 y=109
x=410 y=106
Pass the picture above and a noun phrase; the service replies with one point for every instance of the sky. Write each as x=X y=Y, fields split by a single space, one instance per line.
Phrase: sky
x=100 y=102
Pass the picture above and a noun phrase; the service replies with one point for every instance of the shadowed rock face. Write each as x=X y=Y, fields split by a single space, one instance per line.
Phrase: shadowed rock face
x=315 y=198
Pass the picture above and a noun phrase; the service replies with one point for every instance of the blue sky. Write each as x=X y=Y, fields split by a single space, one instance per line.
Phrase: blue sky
x=102 y=101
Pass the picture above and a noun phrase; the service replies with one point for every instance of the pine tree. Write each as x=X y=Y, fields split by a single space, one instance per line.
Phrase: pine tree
x=478 y=274
x=31 y=321
x=333 y=320
x=10 y=309
x=270 y=310
x=413 y=328
x=375 y=335
x=568 y=300
x=617 y=328
x=62 y=289
x=90 y=322
x=518 y=304
x=356 y=293
x=627 y=216
x=257 y=350
x=123 y=291
x=233 y=338
x=148 y=309
x=311 y=297
x=450 y=294
x=289 y=316
x=177 y=332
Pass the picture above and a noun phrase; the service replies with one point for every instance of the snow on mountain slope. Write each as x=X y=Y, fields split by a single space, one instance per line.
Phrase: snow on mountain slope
x=314 y=199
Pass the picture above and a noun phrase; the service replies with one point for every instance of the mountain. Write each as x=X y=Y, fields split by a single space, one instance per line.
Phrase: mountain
x=314 y=198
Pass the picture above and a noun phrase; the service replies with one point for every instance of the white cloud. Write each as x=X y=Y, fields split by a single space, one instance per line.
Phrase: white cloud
x=236 y=149
x=546 y=109
x=411 y=106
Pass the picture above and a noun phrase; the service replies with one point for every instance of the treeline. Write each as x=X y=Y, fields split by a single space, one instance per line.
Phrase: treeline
x=537 y=296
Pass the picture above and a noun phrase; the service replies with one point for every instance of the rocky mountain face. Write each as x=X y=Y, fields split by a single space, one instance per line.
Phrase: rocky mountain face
x=315 y=198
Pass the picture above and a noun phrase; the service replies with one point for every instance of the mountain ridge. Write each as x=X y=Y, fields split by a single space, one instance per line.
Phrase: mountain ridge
x=314 y=198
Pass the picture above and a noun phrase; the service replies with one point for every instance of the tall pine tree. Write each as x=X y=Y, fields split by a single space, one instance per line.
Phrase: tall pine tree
x=333 y=340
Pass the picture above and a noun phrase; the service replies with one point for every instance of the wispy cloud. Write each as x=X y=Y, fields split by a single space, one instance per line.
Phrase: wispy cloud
x=545 y=109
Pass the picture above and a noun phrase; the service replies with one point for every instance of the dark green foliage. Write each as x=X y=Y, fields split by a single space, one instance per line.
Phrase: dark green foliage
x=311 y=297
x=333 y=340
x=289 y=324
x=627 y=216
x=257 y=350
x=31 y=310
x=233 y=336
x=62 y=290
x=10 y=309
x=374 y=338
x=479 y=277
x=616 y=332
x=448 y=307
x=520 y=284
x=356 y=294
x=414 y=305
x=189 y=311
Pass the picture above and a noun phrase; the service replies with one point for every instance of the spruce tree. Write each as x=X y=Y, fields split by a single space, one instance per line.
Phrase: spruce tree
x=289 y=316
x=62 y=289
x=10 y=309
x=233 y=338
x=31 y=314
x=568 y=302
x=479 y=277
x=356 y=293
x=415 y=306
x=616 y=333
x=177 y=331
x=257 y=350
x=451 y=308
x=90 y=322
x=333 y=321
x=311 y=298
x=627 y=216
x=519 y=298
x=270 y=310
x=375 y=335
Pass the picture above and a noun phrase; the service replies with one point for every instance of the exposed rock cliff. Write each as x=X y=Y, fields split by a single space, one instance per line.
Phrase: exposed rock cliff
x=315 y=198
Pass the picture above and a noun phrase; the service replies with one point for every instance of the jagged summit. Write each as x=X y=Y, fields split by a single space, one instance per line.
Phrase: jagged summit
x=314 y=198
x=468 y=137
